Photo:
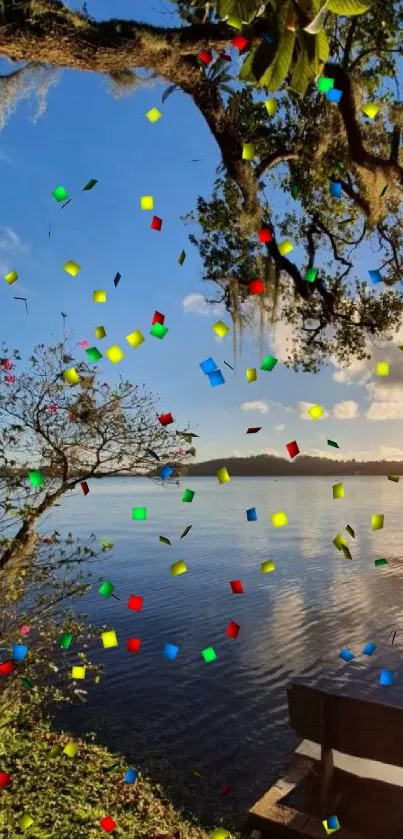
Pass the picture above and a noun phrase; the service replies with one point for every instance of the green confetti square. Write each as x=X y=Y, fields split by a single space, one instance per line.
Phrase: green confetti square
x=333 y=443
x=65 y=640
x=158 y=330
x=350 y=531
x=139 y=513
x=25 y=682
x=106 y=588
x=209 y=654
x=91 y=183
x=379 y=562
x=36 y=478
x=60 y=194
x=310 y=275
x=93 y=354
x=188 y=495
x=182 y=257
x=268 y=363
x=295 y=191
x=394 y=478
x=325 y=84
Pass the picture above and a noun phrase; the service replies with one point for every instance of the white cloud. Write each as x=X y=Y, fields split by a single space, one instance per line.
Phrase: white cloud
x=385 y=411
x=345 y=410
x=10 y=241
x=197 y=304
x=4 y=157
x=280 y=427
x=255 y=406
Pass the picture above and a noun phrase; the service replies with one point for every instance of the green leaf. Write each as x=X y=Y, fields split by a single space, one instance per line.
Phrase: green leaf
x=322 y=47
x=303 y=72
x=227 y=8
x=274 y=76
x=348 y=7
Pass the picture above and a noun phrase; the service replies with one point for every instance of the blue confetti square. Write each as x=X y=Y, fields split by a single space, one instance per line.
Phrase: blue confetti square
x=208 y=366
x=369 y=649
x=216 y=378
x=386 y=677
x=251 y=514
x=335 y=190
x=166 y=472
x=269 y=38
x=170 y=652
x=375 y=277
x=19 y=652
x=334 y=95
x=346 y=655
x=332 y=823
x=130 y=776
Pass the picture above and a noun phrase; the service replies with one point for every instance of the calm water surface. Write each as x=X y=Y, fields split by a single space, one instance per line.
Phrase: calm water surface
x=228 y=719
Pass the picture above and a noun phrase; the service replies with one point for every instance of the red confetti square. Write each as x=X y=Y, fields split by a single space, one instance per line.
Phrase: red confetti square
x=225 y=790
x=135 y=602
x=5 y=780
x=156 y=223
x=225 y=56
x=256 y=287
x=233 y=629
x=265 y=235
x=206 y=56
x=84 y=487
x=108 y=824
x=133 y=645
x=6 y=668
x=165 y=419
x=240 y=42
x=292 y=449
x=236 y=586
x=158 y=318
x=253 y=430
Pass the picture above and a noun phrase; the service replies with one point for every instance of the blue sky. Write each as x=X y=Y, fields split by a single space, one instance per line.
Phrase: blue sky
x=86 y=133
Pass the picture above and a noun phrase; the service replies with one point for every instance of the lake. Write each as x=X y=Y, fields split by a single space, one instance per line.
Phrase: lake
x=227 y=719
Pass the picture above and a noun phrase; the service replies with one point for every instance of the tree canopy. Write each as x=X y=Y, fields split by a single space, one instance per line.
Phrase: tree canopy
x=293 y=120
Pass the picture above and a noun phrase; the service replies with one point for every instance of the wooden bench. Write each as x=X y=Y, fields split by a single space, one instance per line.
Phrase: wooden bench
x=350 y=763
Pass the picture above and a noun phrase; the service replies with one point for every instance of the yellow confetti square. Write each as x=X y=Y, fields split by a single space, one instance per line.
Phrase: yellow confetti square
x=382 y=368
x=154 y=115
x=338 y=490
x=316 y=412
x=220 y=833
x=99 y=296
x=267 y=566
x=370 y=109
x=71 y=749
x=100 y=332
x=285 y=247
x=251 y=374
x=135 y=338
x=11 y=277
x=330 y=830
x=377 y=521
x=71 y=376
x=178 y=568
x=223 y=476
x=220 y=328
x=248 y=151
x=78 y=672
x=109 y=639
x=72 y=268
x=279 y=519
x=25 y=822
x=114 y=354
x=147 y=202
x=271 y=107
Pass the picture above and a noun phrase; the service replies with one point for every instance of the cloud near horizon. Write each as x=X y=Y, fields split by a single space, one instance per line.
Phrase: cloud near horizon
x=345 y=410
x=255 y=406
x=196 y=304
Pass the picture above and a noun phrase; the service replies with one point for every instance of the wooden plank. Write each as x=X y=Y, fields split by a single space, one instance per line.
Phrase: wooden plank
x=356 y=727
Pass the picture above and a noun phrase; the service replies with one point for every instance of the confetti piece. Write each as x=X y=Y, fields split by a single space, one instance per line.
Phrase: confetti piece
x=338 y=491
x=325 y=84
x=209 y=654
x=346 y=655
x=135 y=602
x=188 y=495
x=24 y=629
x=331 y=824
x=268 y=363
x=158 y=318
x=386 y=677
x=292 y=449
x=170 y=651
x=382 y=368
x=310 y=275
x=115 y=767
x=11 y=278
x=166 y=472
x=220 y=833
x=147 y=202
x=271 y=107
x=370 y=109
x=25 y=822
x=152 y=454
x=166 y=419
x=159 y=331
x=220 y=328
x=265 y=235
x=182 y=257
x=232 y=629
x=139 y=513
x=71 y=376
x=251 y=374
x=316 y=412
x=216 y=378
x=107 y=824
x=394 y=478
x=237 y=587
x=223 y=476
x=133 y=646
x=377 y=521
x=239 y=42
x=335 y=189
x=285 y=247
x=109 y=639
x=18 y=652
x=178 y=568
x=332 y=443
x=99 y=296
x=225 y=790
x=251 y=514
x=334 y=95
x=279 y=519
x=5 y=780
x=205 y=56
x=267 y=566
x=153 y=115
x=156 y=223
x=186 y=531
x=375 y=276
x=117 y=279
x=208 y=366
x=165 y=540
x=71 y=749
x=115 y=354
x=369 y=649
x=248 y=151
x=350 y=531
x=60 y=194
x=66 y=639
x=106 y=589
x=93 y=354
x=253 y=430
x=72 y=268
x=379 y=562
x=135 y=339
x=131 y=776
x=256 y=286
x=91 y=183
x=78 y=672
x=36 y=478
x=383 y=191
x=100 y=332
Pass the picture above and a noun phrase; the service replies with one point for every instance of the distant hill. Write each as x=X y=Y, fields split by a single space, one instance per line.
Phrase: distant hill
x=264 y=464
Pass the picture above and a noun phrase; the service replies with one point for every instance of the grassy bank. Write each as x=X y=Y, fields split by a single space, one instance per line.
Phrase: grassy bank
x=68 y=796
